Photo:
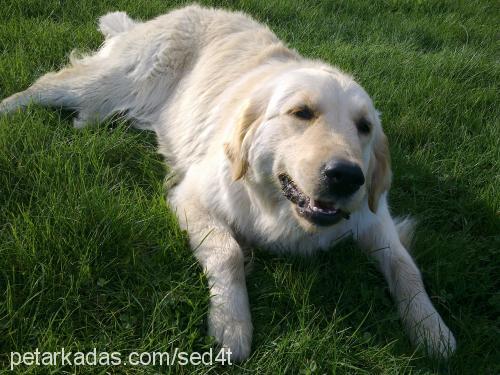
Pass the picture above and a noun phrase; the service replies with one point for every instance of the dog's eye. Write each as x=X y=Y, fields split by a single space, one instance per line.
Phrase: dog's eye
x=304 y=113
x=363 y=126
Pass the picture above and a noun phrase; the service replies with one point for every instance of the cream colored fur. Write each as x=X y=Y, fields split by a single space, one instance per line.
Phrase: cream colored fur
x=220 y=91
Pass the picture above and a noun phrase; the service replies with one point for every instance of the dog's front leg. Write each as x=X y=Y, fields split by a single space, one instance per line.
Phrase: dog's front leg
x=229 y=319
x=381 y=240
x=222 y=259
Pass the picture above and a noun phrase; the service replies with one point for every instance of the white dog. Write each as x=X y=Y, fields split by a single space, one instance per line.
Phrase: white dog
x=267 y=148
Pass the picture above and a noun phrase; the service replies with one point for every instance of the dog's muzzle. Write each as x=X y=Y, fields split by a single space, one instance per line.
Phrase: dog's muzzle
x=317 y=212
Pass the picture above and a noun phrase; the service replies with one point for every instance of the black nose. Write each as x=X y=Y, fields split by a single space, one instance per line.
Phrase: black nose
x=343 y=177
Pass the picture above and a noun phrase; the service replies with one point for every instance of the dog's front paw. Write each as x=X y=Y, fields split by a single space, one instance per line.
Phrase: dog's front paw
x=436 y=338
x=233 y=334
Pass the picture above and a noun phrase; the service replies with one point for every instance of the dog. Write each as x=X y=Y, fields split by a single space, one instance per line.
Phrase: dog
x=267 y=148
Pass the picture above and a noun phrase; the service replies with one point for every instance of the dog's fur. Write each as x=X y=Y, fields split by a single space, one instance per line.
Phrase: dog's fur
x=222 y=92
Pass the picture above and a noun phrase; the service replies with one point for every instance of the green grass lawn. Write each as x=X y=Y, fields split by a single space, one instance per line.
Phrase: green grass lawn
x=90 y=256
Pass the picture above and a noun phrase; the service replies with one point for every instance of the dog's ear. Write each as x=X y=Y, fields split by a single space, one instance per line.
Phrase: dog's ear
x=379 y=171
x=238 y=146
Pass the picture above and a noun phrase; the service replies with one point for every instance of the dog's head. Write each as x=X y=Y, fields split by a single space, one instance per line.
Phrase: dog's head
x=311 y=139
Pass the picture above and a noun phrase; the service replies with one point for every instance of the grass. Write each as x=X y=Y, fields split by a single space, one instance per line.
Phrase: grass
x=90 y=256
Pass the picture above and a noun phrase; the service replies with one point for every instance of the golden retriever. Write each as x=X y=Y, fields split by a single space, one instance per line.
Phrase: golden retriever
x=267 y=148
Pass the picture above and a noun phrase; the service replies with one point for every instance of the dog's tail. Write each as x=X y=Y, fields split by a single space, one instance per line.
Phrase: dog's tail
x=115 y=23
x=406 y=229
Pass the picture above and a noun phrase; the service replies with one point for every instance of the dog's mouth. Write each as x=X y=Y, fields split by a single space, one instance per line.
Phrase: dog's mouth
x=315 y=211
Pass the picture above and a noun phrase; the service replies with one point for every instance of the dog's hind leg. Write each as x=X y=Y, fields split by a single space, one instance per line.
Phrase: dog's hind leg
x=94 y=85
x=56 y=89
x=77 y=85
x=133 y=73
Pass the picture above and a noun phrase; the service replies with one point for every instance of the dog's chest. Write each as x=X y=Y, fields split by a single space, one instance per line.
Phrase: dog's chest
x=298 y=241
